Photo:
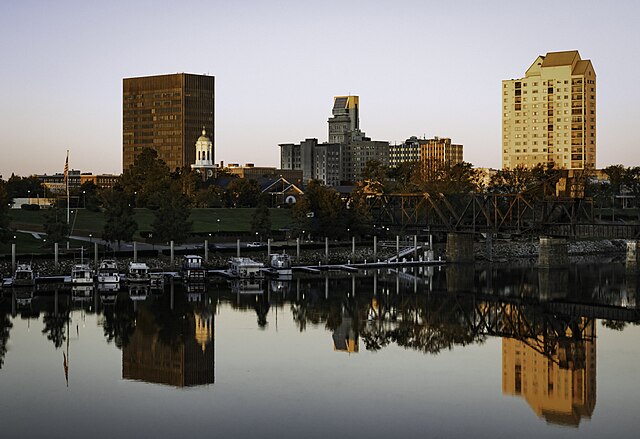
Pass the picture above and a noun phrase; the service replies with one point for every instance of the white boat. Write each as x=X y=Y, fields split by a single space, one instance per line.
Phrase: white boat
x=139 y=292
x=108 y=272
x=108 y=288
x=156 y=279
x=193 y=269
x=280 y=265
x=138 y=272
x=245 y=268
x=81 y=293
x=23 y=276
x=81 y=274
x=246 y=286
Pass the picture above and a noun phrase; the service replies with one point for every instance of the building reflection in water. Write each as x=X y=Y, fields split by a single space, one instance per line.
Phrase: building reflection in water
x=180 y=357
x=556 y=375
x=345 y=337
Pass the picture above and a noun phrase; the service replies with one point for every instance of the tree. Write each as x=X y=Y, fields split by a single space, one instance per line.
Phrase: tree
x=120 y=224
x=319 y=212
x=5 y=232
x=212 y=196
x=261 y=221
x=55 y=325
x=616 y=175
x=171 y=221
x=402 y=175
x=147 y=179
x=19 y=187
x=374 y=176
x=55 y=225
x=511 y=181
x=5 y=329
x=88 y=196
x=443 y=177
x=243 y=192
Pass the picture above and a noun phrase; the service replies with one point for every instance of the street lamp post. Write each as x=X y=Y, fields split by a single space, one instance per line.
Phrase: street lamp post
x=218 y=221
x=84 y=200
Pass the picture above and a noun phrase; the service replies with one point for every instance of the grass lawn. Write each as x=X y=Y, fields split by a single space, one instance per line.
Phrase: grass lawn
x=204 y=220
x=27 y=244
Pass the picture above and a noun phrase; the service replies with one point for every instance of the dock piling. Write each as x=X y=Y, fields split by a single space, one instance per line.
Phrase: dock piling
x=172 y=252
x=238 y=247
x=353 y=247
x=206 y=250
x=375 y=247
x=13 y=258
x=135 y=251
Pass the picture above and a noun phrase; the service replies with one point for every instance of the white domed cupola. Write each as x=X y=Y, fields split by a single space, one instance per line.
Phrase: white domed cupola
x=204 y=150
x=204 y=156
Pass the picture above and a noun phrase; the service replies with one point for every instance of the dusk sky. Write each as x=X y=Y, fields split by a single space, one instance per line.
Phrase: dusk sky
x=419 y=67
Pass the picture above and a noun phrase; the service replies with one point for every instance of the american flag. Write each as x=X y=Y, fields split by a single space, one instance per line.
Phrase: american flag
x=66 y=169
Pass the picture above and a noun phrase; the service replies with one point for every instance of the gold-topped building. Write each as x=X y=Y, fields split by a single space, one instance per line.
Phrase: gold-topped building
x=549 y=116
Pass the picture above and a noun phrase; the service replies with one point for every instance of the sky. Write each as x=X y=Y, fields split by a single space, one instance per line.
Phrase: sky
x=423 y=68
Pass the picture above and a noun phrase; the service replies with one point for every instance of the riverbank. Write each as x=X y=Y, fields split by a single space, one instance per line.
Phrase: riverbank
x=507 y=250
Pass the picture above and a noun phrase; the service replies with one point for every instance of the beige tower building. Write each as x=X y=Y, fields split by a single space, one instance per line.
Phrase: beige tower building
x=549 y=116
x=561 y=388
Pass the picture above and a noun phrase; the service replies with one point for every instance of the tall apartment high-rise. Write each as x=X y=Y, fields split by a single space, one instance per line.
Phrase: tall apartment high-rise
x=549 y=116
x=345 y=120
x=166 y=113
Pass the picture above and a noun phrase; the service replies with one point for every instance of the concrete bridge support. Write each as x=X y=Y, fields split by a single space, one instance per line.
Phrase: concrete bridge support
x=460 y=278
x=632 y=255
x=553 y=253
x=553 y=283
x=460 y=248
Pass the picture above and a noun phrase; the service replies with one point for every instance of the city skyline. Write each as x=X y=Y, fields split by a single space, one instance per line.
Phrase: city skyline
x=420 y=69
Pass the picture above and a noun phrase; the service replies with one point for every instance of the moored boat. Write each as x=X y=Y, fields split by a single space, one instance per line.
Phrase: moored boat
x=246 y=286
x=108 y=272
x=193 y=269
x=280 y=265
x=23 y=276
x=81 y=274
x=138 y=273
x=245 y=268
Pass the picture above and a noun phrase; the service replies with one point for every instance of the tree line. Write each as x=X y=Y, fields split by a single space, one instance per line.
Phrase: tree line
x=150 y=184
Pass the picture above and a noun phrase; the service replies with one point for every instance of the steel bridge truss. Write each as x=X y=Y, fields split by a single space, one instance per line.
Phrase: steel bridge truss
x=479 y=212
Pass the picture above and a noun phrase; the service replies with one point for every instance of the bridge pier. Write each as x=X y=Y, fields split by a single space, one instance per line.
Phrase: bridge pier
x=488 y=248
x=553 y=283
x=460 y=248
x=553 y=253
x=460 y=278
x=632 y=255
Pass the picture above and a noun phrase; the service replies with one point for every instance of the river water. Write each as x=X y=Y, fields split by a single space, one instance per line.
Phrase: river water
x=460 y=351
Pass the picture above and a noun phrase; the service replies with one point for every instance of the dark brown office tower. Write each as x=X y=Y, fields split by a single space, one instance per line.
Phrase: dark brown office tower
x=166 y=113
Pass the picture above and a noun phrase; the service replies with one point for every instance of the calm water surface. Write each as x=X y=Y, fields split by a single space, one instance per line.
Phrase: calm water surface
x=456 y=352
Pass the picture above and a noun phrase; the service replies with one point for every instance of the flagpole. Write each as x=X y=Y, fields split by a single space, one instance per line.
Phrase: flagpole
x=66 y=177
